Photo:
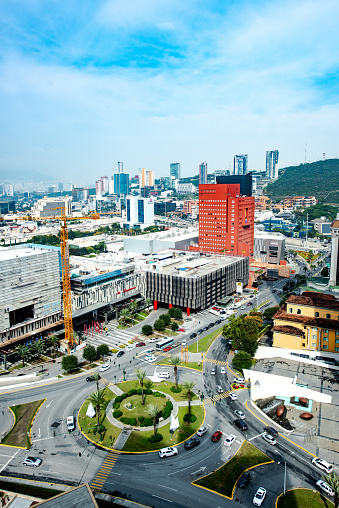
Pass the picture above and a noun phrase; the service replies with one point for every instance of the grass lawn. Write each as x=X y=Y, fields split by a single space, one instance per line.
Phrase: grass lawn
x=204 y=343
x=20 y=433
x=164 y=387
x=138 y=408
x=138 y=441
x=191 y=365
x=300 y=498
x=224 y=479
x=87 y=424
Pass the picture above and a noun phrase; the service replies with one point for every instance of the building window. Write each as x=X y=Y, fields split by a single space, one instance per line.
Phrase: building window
x=316 y=314
x=337 y=341
x=303 y=344
x=298 y=311
x=325 y=339
x=328 y=316
x=314 y=337
x=314 y=344
x=290 y=310
x=325 y=346
x=336 y=349
x=325 y=331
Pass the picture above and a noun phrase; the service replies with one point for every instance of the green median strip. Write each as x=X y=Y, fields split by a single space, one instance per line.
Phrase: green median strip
x=24 y=415
x=301 y=498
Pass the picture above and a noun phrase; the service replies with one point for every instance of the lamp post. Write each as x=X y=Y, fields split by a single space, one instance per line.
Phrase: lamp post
x=284 y=461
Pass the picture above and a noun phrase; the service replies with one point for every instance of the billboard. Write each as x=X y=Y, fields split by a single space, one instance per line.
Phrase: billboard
x=239 y=288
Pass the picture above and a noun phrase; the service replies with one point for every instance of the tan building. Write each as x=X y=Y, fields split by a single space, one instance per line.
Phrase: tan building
x=309 y=322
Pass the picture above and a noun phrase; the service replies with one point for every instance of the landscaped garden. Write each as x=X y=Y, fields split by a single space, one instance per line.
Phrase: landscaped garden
x=191 y=365
x=301 y=498
x=204 y=343
x=224 y=479
x=24 y=415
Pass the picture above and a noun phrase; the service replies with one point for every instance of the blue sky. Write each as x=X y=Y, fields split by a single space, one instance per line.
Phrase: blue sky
x=84 y=84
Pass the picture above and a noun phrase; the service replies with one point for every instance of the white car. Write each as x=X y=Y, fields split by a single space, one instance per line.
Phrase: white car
x=270 y=439
x=219 y=388
x=130 y=347
x=239 y=414
x=233 y=396
x=223 y=318
x=213 y=371
x=151 y=359
x=239 y=380
x=259 y=496
x=230 y=440
x=325 y=487
x=323 y=465
x=202 y=431
x=168 y=452
x=153 y=339
x=32 y=461
x=242 y=308
x=222 y=370
x=104 y=367
x=184 y=343
x=164 y=375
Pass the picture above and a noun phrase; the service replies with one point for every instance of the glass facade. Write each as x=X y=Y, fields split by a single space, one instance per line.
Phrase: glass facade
x=141 y=211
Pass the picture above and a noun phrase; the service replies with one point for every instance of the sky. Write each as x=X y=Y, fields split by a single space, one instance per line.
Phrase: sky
x=87 y=83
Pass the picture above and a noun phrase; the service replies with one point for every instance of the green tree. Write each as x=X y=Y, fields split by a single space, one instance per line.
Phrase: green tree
x=189 y=385
x=147 y=329
x=174 y=327
x=141 y=375
x=175 y=362
x=153 y=411
x=171 y=312
x=54 y=341
x=147 y=385
x=98 y=400
x=23 y=351
x=37 y=348
x=166 y=318
x=333 y=481
x=159 y=325
x=242 y=360
x=97 y=378
x=269 y=312
x=148 y=303
x=133 y=307
x=103 y=350
x=124 y=313
x=242 y=329
x=69 y=363
x=177 y=313
x=89 y=353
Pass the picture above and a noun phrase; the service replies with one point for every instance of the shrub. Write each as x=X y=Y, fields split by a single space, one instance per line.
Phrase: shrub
x=169 y=405
x=141 y=418
x=124 y=395
x=190 y=419
x=117 y=413
x=131 y=392
x=125 y=420
x=116 y=405
x=158 y=394
x=155 y=438
x=147 y=329
x=118 y=399
x=242 y=360
x=159 y=325
x=149 y=392
x=176 y=390
x=139 y=391
x=174 y=326
x=166 y=318
x=133 y=421
x=166 y=414
x=148 y=422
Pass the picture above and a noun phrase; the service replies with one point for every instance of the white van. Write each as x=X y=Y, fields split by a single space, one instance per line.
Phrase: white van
x=70 y=423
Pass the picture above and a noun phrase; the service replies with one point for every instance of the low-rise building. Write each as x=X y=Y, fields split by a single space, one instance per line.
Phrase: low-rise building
x=269 y=247
x=309 y=322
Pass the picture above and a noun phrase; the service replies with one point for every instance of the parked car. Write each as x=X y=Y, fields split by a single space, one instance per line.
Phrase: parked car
x=219 y=389
x=164 y=375
x=213 y=371
x=230 y=440
x=270 y=439
x=120 y=353
x=200 y=330
x=91 y=378
x=272 y=431
x=168 y=348
x=216 y=436
x=244 y=480
x=202 y=431
x=259 y=496
x=241 y=425
x=232 y=396
x=239 y=380
x=168 y=452
x=140 y=344
x=222 y=370
x=193 y=335
x=106 y=366
x=32 y=461
x=191 y=443
x=239 y=414
x=325 y=487
x=323 y=465
x=218 y=321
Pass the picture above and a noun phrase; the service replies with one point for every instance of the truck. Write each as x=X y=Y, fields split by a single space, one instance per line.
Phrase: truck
x=70 y=423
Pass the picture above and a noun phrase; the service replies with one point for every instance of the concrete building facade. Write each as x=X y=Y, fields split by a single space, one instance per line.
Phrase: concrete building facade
x=139 y=211
x=269 y=247
x=51 y=207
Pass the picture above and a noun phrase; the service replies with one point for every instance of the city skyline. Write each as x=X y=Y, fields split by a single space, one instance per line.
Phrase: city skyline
x=87 y=85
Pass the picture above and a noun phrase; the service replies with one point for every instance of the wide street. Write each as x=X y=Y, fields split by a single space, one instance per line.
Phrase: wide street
x=145 y=478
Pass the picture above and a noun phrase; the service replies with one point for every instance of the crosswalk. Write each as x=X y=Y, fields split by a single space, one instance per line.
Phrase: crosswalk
x=216 y=362
x=114 y=338
x=214 y=398
x=104 y=471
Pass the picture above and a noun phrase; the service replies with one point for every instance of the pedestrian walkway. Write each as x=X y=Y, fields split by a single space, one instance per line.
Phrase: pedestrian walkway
x=104 y=471
x=215 y=362
x=215 y=398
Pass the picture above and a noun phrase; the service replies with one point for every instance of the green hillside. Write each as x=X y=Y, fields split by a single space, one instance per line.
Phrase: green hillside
x=319 y=179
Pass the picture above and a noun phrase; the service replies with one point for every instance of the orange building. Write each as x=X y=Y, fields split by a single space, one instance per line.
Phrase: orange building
x=226 y=220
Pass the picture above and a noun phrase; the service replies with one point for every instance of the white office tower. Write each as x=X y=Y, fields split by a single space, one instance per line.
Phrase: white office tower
x=272 y=164
x=139 y=211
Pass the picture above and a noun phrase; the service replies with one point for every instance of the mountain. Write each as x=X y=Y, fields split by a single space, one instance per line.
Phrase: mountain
x=319 y=179
x=24 y=176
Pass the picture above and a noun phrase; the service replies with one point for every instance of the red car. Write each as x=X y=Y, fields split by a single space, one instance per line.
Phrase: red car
x=140 y=344
x=181 y=329
x=168 y=348
x=216 y=436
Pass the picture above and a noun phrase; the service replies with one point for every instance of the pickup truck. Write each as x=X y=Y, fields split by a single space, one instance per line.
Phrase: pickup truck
x=70 y=423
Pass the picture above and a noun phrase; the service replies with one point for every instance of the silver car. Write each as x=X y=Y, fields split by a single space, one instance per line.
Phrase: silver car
x=32 y=461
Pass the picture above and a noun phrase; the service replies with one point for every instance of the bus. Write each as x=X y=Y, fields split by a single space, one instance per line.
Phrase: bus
x=164 y=343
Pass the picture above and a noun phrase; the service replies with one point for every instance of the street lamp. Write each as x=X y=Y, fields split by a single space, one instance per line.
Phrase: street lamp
x=285 y=470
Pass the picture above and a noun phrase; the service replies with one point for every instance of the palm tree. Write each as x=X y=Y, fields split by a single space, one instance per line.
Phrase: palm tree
x=333 y=481
x=97 y=377
x=148 y=385
x=38 y=348
x=153 y=410
x=148 y=303
x=98 y=400
x=23 y=351
x=141 y=374
x=175 y=362
x=54 y=341
x=125 y=313
x=133 y=307
x=189 y=385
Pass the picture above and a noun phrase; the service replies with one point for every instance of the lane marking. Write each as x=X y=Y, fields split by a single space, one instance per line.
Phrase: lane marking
x=255 y=437
x=5 y=465
x=163 y=498
x=165 y=487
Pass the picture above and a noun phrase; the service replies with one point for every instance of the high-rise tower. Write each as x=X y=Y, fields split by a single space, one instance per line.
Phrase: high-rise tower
x=203 y=173
x=272 y=161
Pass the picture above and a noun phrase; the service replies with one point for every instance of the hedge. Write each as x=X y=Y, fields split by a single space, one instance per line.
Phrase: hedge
x=117 y=413
x=190 y=419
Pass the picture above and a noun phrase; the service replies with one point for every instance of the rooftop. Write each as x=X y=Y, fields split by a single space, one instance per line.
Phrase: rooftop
x=315 y=299
x=6 y=254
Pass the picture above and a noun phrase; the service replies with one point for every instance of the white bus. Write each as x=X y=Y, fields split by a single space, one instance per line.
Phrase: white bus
x=166 y=341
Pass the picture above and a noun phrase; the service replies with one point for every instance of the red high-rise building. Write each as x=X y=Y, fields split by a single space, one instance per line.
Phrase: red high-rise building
x=226 y=220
